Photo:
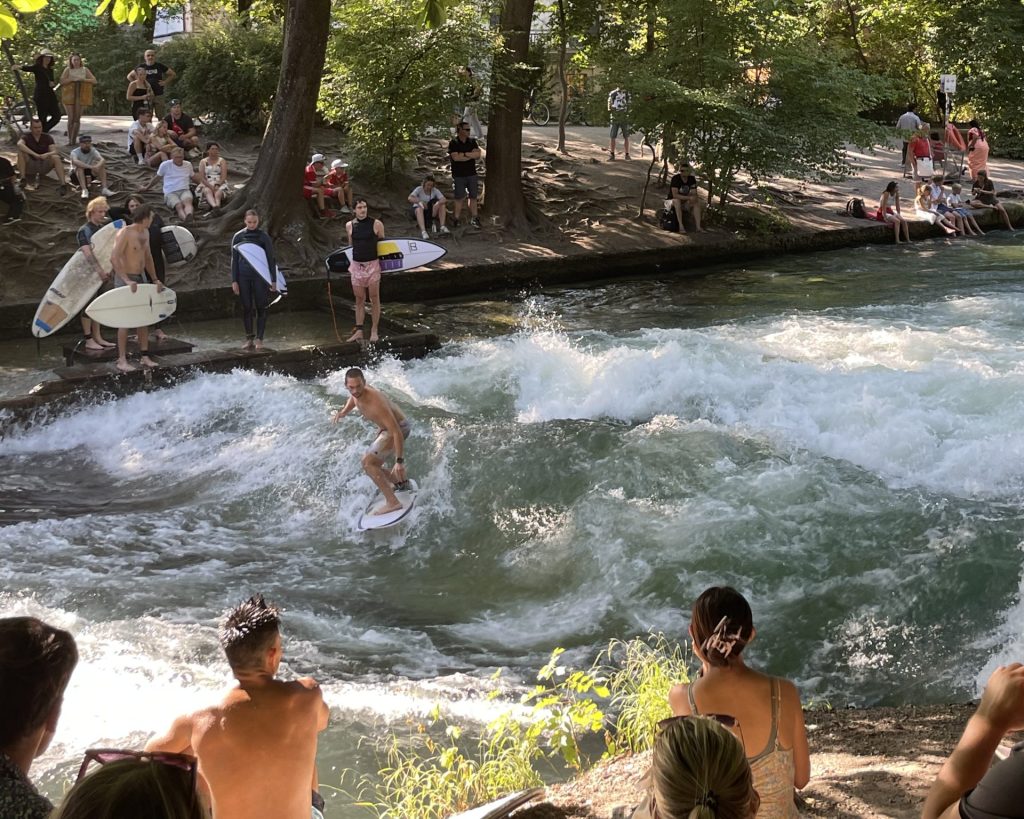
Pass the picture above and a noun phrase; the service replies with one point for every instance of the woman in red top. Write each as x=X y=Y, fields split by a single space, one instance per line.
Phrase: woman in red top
x=920 y=148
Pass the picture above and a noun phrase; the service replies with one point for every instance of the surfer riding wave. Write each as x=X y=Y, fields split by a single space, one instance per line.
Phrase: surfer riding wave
x=394 y=429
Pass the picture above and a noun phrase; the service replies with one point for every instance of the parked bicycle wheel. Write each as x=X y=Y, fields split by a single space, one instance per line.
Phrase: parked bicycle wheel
x=540 y=114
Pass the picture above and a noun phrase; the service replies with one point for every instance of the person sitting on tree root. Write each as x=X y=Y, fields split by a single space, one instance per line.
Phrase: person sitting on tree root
x=177 y=175
x=315 y=186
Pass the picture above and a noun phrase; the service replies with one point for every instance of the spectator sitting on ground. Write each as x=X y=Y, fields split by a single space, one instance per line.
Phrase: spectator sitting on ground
x=924 y=207
x=767 y=709
x=180 y=127
x=87 y=164
x=427 y=202
x=686 y=196
x=966 y=786
x=890 y=213
x=177 y=175
x=338 y=178
x=135 y=785
x=941 y=204
x=257 y=746
x=920 y=147
x=140 y=92
x=955 y=201
x=140 y=136
x=213 y=176
x=160 y=145
x=984 y=193
x=698 y=771
x=37 y=156
x=315 y=186
x=10 y=193
x=36 y=661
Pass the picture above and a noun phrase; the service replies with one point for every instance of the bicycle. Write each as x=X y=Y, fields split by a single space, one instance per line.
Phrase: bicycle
x=16 y=117
x=537 y=112
x=576 y=113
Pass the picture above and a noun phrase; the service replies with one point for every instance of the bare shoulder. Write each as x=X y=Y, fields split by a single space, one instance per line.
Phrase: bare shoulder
x=308 y=683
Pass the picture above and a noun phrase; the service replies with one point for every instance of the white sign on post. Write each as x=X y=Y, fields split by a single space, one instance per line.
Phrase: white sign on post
x=947 y=83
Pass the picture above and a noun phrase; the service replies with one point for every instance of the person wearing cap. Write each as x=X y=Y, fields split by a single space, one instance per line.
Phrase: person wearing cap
x=177 y=175
x=37 y=155
x=47 y=107
x=181 y=128
x=86 y=164
x=315 y=185
x=338 y=179
x=157 y=74
x=686 y=196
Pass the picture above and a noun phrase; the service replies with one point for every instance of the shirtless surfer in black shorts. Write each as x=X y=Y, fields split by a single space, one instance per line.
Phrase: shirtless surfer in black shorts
x=133 y=264
x=394 y=429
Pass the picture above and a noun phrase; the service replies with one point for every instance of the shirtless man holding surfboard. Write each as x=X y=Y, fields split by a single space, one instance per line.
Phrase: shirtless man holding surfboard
x=132 y=258
x=394 y=429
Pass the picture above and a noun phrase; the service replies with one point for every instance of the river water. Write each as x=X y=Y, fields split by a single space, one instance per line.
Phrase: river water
x=840 y=436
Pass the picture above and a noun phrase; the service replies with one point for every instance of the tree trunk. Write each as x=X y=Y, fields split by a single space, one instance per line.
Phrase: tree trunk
x=563 y=82
x=275 y=189
x=505 y=199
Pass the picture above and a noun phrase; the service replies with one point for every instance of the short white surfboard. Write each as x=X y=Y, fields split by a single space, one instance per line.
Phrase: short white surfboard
x=396 y=254
x=76 y=283
x=407 y=497
x=122 y=308
x=501 y=808
x=179 y=244
x=257 y=257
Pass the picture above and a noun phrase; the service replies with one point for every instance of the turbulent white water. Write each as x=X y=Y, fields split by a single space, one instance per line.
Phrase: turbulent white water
x=857 y=471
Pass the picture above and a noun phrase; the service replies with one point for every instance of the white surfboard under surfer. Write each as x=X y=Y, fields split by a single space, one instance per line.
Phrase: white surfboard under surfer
x=393 y=430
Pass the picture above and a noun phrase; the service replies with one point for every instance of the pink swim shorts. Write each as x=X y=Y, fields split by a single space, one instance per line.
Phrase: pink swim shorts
x=364 y=274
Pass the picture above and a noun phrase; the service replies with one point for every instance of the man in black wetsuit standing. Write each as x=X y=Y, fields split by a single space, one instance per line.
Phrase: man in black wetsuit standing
x=248 y=284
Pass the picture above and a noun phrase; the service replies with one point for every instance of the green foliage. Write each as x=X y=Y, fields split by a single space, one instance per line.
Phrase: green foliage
x=228 y=73
x=110 y=52
x=640 y=673
x=127 y=12
x=9 y=11
x=388 y=79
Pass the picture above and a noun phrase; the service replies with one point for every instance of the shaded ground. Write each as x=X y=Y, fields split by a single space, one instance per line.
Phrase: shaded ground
x=593 y=205
x=865 y=764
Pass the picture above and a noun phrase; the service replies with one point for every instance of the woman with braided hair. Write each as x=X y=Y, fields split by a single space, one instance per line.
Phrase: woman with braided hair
x=698 y=771
x=769 y=720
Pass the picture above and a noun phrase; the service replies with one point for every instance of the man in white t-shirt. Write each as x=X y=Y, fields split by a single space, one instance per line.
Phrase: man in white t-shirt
x=177 y=174
x=87 y=164
x=139 y=133
x=908 y=123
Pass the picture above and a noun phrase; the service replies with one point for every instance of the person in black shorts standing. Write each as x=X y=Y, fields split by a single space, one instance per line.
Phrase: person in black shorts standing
x=463 y=152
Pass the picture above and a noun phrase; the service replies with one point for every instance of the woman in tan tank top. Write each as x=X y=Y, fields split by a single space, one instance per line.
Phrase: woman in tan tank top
x=769 y=718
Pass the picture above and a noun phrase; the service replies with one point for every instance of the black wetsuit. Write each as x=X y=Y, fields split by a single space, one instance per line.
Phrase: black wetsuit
x=9 y=192
x=45 y=98
x=253 y=289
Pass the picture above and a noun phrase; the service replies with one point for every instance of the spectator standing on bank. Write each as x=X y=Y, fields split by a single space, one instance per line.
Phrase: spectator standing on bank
x=10 y=193
x=471 y=95
x=908 y=124
x=977 y=149
x=44 y=96
x=920 y=147
x=363 y=234
x=158 y=75
x=36 y=661
x=618 y=110
x=463 y=152
x=76 y=84
x=140 y=92
x=246 y=282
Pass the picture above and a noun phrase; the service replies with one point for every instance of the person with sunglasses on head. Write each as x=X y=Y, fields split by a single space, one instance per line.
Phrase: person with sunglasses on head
x=257 y=746
x=36 y=661
x=698 y=771
x=134 y=785
x=767 y=711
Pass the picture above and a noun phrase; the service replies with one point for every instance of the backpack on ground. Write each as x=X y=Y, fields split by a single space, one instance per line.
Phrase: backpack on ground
x=855 y=208
x=668 y=219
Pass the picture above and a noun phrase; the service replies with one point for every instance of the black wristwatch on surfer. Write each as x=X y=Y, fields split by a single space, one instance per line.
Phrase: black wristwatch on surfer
x=399 y=460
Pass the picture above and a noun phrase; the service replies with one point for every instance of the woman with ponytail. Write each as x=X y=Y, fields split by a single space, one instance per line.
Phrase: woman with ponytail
x=698 y=771
x=769 y=719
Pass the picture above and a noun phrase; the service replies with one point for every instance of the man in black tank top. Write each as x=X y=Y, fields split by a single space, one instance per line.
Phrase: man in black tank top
x=363 y=234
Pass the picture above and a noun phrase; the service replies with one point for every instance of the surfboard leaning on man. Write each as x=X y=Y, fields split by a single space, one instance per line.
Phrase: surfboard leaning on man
x=393 y=429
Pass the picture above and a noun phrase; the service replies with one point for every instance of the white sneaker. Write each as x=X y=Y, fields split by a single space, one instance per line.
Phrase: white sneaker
x=433 y=229
x=346 y=209
x=107 y=192
x=445 y=231
x=85 y=193
x=426 y=235
x=142 y=160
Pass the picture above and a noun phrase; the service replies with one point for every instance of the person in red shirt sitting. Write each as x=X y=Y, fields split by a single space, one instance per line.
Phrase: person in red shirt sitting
x=338 y=179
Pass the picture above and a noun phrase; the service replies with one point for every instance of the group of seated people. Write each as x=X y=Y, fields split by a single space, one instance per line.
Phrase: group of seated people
x=325 y=185
x=735 y=747
x=950 y=211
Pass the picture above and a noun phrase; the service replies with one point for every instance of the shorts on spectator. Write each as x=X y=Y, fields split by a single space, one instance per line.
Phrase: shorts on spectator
x=309 y=191
x=39 y=166
x=464 y=184
x=364 y=274
x=618 y=125
x=175 y=198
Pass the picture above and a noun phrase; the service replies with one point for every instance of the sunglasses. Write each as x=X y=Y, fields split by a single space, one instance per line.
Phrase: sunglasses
x=104 y=756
